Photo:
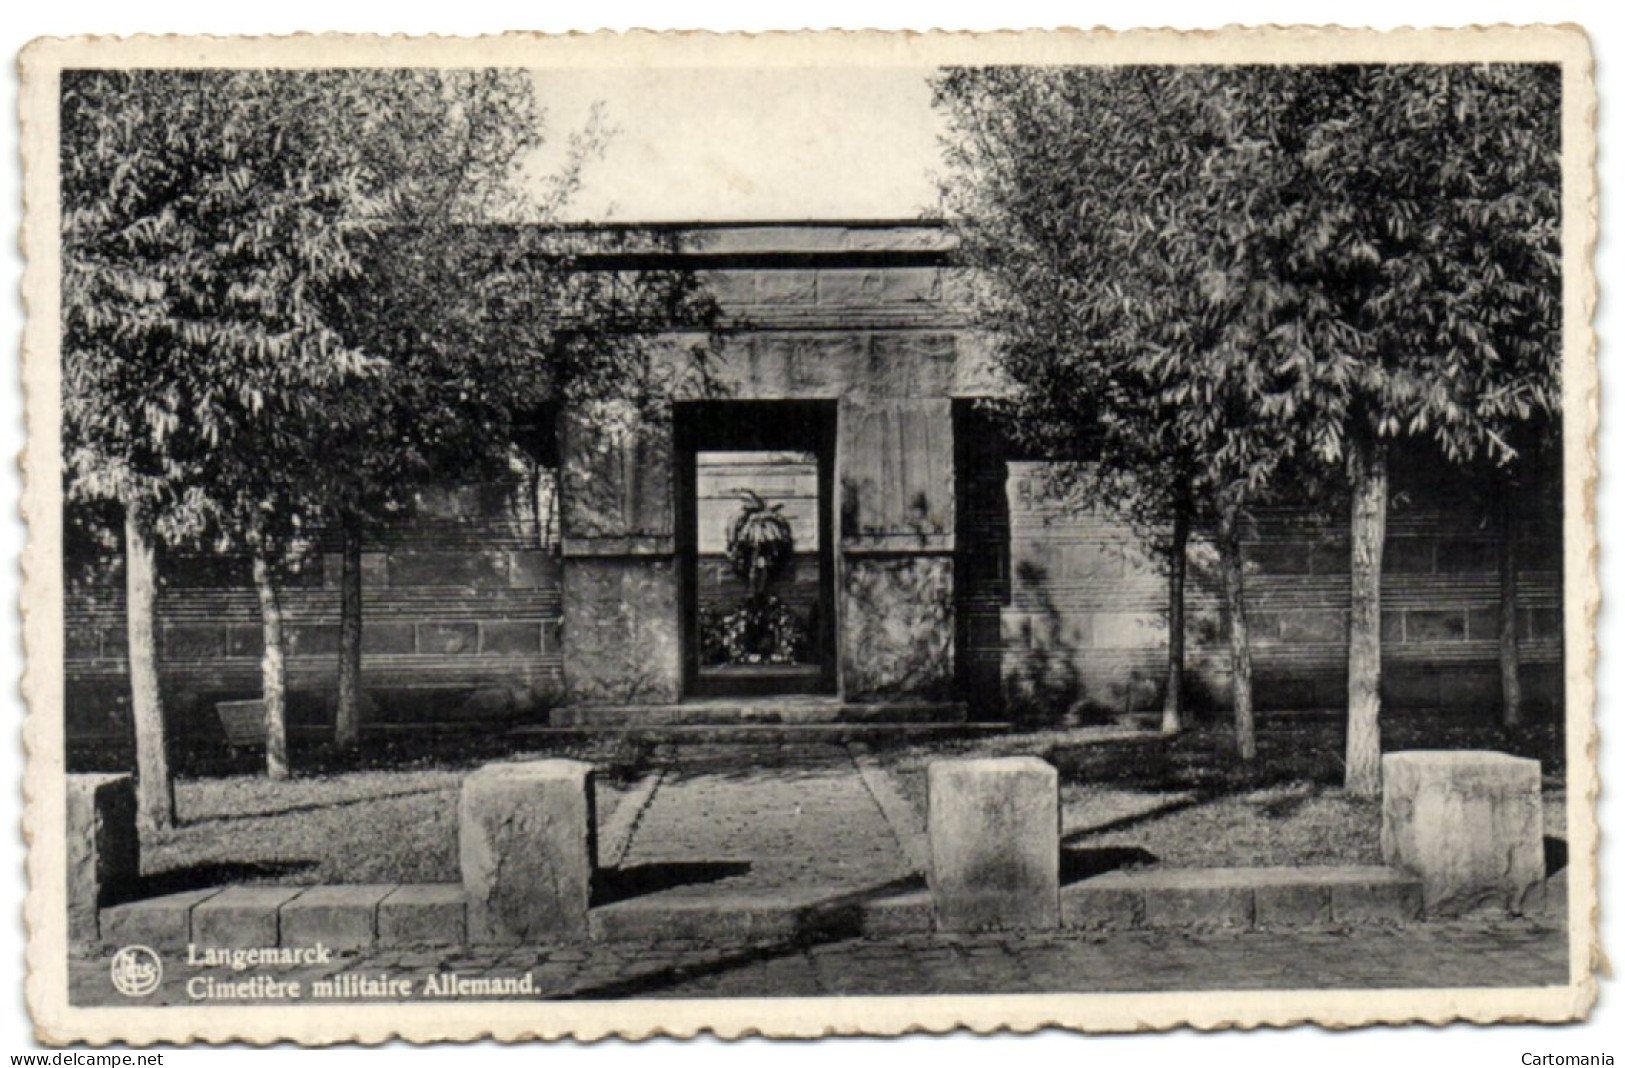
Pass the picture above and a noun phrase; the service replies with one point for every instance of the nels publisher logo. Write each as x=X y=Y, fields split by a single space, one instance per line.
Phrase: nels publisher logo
x=136 y=971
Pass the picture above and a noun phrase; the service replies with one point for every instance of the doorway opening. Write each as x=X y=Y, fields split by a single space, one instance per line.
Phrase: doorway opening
x=755 y=525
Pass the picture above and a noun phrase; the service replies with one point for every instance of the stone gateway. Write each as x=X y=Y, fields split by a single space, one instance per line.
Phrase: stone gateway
x=929 y=561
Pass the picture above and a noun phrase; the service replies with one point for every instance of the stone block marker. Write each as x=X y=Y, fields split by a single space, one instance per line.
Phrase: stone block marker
x=526 y=836
x=104 y=850
x=994 y=827
x=1468 y=824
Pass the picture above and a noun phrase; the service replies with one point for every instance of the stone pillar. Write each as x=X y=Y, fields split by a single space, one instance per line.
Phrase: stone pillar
x=896 y=483
x=1468 y=824
x=994 y=829
x=104 y=849
x=527 y=840
x=620 y=633
x=618 y=575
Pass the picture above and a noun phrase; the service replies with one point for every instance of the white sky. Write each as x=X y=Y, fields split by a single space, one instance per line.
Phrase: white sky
x=730 y=144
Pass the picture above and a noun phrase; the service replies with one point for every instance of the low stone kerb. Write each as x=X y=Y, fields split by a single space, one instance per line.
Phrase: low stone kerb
x=241 y=917
x=339 y=917
x=1240 y=897
x=427 y=914
x=157 y=922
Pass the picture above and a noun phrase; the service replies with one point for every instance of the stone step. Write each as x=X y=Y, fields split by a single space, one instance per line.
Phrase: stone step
x=795 y=711
x=741 y=918
x=1241 y=898
x=771 y=733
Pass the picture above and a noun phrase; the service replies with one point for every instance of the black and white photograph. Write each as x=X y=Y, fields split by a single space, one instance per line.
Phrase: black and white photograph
x=580 y=537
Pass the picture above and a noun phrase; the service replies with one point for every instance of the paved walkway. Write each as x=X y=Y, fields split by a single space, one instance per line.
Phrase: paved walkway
x=727 y=820
x=1508 y=954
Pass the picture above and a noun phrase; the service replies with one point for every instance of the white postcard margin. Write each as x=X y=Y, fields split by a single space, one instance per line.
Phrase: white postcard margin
x=57 y=1021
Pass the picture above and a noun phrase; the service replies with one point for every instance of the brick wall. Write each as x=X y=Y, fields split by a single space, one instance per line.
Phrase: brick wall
x=460 y=607
x=1060 y=610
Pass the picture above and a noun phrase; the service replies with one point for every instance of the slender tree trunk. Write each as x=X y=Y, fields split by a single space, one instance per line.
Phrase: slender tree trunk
x=1235 y=610
x=155 y=791
x=273 y=668
x=1368 y=525
x=1511 y=687
x=347 y=720
x=1173 y=697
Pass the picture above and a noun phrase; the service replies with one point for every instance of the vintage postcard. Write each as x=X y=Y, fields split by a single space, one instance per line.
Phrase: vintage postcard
x=809 y=533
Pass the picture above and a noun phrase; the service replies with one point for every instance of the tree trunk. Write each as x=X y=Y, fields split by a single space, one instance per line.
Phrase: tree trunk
x=1511 y=687
x=155 y=791
x=1235 y=610
x=1173 y=697
x=273 y=669
x=1368 y=525
x=347 y=720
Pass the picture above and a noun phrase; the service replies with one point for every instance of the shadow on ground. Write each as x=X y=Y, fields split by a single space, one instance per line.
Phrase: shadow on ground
x=835 y=919
x=638 y=880
x=1079 y=864
x=270 y=811
x=207 y=876
x=1557 y=855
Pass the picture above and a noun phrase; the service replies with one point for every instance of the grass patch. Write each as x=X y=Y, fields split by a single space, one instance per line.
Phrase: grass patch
x=1188 y=801
x=387 y=811
x=384 y=814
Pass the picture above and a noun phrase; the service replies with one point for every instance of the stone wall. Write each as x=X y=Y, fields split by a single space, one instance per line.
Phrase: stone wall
x=461 y=607
x=621 y=633
x=954 y=572
x=1061 y=611
x=897 y=627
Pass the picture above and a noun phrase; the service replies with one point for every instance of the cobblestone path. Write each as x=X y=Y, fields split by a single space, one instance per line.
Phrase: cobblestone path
x=1504 y=954
x=746 y=820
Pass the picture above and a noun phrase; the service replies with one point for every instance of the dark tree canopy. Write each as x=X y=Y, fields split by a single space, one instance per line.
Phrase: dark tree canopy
x=1228 y=266
x=292 y=298
x=1240 y=280
x=301 y=267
